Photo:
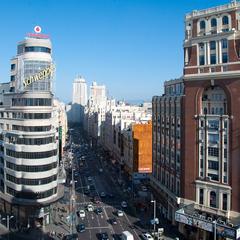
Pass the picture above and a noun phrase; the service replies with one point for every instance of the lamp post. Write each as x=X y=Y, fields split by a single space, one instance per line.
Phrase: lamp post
x=215 y=229
x=154 y=215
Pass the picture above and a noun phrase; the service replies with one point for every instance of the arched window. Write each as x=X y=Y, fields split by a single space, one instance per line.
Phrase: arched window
x=202 y=25
x=213 y=199
x=213 y=22
x=225 y=20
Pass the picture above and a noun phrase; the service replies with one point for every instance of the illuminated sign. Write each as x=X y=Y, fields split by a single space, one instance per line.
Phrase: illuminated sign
x=37 y=29
x=39 y=76
x=37 y=34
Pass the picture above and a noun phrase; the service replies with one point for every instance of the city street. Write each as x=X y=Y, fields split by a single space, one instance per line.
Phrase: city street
x=93 y=179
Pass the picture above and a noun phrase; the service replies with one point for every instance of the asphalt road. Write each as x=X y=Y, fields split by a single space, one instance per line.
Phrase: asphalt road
x=101 y=182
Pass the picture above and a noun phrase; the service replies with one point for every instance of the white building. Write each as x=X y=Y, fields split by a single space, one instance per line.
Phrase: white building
x=79 y=100
x=29 y=163
x=117 y=119
x=95 y=111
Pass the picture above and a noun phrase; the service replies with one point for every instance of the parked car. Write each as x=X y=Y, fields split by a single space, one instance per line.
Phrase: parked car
x=124 y=204
x=90 y=207
x=103 y=194
x=103 y=236
x=113 y=221
x=99 y=210
x=82 y=213
x=80 y=228
x=119 y=213
x=147 y=236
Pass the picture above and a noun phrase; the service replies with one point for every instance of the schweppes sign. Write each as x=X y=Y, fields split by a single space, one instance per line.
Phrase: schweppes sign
x=39 y=76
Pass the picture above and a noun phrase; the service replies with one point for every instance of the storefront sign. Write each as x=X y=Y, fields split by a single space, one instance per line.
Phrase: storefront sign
x=225 y=231
x=183 y=219
x=203 y=224
x=39 y=76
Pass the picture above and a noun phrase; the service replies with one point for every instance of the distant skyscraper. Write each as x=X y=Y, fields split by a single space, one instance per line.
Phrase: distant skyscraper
x=79 y=99
x=79 y=91
x=97 y=94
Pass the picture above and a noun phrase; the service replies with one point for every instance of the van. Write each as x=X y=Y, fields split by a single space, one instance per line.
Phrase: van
x=126 y=235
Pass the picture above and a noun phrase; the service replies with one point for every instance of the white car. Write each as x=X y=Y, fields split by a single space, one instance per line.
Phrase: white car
x=103 y=194
x=120 y=213
x=82 y=213
x=100 y=170
x=90 y=207
x=147 y=236
x=89 y=179
x=124 y=204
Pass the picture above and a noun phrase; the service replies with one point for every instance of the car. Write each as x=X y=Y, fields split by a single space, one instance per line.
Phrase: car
x=99 y=210
x=119 y=213
x=73 y=236
x=144 y=189
x=103 y=194
x=80 y=227
x=86 y=191
x=92 y=187
x=103 y=236
x=90 y=207
x=147 y=236
x=89 y=179
x=82 y=213
x=113 y=221
x=124 y=204
x=100 y=170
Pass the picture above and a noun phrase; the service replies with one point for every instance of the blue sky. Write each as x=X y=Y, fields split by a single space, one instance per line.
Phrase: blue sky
x=131 y=46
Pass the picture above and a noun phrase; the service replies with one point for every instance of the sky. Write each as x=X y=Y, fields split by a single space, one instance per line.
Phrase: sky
x=131 y=46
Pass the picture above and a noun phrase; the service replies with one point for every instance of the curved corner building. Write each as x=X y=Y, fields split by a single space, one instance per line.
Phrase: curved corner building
x=29 y=147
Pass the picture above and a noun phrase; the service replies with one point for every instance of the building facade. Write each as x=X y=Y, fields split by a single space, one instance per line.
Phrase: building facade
x=210 y=193
x=79 y=100
x=166 y=146
x=137 y=149
x=29 y=145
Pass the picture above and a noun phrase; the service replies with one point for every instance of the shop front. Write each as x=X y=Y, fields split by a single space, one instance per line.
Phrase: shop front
x=197 y=226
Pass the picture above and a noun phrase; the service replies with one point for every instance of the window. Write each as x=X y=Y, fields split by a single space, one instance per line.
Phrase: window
x=202 y=25
x=213 y=151
x=28 y=181
x=31 y=128
x=214 y=177
x=34 y=168
x=224 y=203
x=213 y=22
x=224 y=57
x=224 y=43
x=31 y=195
x=212 y=45
x=13 y=66
x=213 y=138
x=213 y=58
x=201 y=196
x=31 y=155
x=32 y=102
x=214 y=165
x=225 y=20
x=12 y=78
x=213 y=199
x=37 y=49
x=201 y=60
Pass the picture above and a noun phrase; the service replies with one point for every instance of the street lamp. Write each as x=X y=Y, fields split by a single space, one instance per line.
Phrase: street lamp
x=154 y=215
x=215 y=229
